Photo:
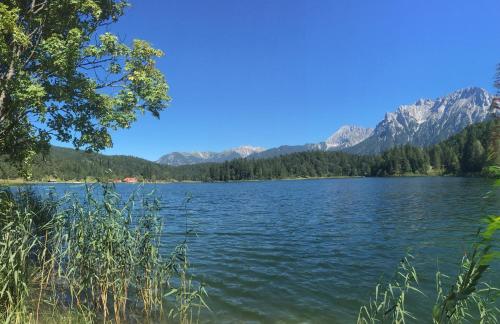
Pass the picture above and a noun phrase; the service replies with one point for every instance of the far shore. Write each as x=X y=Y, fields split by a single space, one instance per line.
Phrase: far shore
x=19 y=181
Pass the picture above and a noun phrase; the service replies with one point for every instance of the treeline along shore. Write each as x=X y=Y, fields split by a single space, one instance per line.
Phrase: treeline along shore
x=466 y=153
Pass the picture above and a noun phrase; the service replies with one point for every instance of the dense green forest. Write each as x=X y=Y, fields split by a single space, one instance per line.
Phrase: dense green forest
x=70 y=164
x=464 y=153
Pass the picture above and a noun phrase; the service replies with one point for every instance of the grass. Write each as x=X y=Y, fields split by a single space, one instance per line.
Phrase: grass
x=96 y=259
x=10 y=182
x=469 y=298
x=389 y=302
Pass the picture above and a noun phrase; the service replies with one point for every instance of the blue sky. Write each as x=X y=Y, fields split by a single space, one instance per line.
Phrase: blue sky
x=275 y=72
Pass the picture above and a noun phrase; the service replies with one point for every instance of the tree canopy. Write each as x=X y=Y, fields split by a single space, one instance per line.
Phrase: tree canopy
x=63 y=76
x=463 y=153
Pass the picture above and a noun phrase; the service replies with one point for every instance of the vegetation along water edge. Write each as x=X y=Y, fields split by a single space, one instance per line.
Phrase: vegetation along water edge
x=465 y=154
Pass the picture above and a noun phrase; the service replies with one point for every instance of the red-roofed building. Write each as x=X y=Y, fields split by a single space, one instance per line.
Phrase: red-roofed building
x=130 y=180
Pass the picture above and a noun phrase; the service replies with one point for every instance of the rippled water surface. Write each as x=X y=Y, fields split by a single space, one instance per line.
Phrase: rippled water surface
x=312 y=251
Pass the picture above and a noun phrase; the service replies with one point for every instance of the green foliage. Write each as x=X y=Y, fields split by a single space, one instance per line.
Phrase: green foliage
x=96 y=258
x=469 y=298
x=15 y=275
x=467 y=295
x=23 y=219
x=388 y=304
x=464 y=153
x=68 y=164
x=468 y=291
x=60 y=79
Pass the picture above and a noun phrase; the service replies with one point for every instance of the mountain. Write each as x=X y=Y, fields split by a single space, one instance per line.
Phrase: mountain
x=186 y=158
x=287 y=149
x=427 y=122
x=460 y=154
x=463 y=153
x=69 y=164
x=347 y=136
x=423 y=123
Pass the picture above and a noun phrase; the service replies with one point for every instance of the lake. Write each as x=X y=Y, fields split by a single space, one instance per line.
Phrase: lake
x=312 y=251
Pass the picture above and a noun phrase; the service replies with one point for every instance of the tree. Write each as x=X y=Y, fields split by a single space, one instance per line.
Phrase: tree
x=474 y=155
x=494 y=149
x=435 y=157
x=60 y=79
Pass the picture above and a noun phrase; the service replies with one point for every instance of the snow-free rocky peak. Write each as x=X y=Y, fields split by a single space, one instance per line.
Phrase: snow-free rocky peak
x=246 y=150
x=427 y=122
x=347 y=136
x=183 y=158
x=423 y=123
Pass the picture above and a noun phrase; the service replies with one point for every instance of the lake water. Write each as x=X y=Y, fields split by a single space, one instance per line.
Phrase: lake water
x=312 y=251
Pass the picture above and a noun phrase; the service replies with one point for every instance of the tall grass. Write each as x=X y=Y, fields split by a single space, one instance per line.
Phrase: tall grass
x=468 y=293
x=389 y=302
x=469 y=298
x=22 y=220
x=96 y=259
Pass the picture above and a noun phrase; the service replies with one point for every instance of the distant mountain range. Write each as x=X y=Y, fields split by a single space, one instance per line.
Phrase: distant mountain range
x=424 y=123
x=185 y=158
x=345 y=137
x=428 y=122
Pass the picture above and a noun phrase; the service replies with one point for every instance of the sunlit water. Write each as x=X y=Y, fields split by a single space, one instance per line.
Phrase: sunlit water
x=312 y=251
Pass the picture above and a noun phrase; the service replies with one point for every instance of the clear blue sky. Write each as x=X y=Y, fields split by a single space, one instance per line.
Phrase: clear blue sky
x=275 y=72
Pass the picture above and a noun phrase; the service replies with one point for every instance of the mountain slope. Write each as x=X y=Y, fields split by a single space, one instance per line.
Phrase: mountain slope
x=427 y=122
x=464 y=153
x=347 y=136
x=70 y=164
x=423 y=123
x=187 y=158
x=287 y=149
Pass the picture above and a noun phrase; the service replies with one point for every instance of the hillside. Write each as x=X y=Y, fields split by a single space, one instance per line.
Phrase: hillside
x=423 y=123
x=70 y=164
x=463 y=153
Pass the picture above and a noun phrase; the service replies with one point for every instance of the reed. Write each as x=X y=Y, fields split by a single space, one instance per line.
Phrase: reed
x=389 y=302
x=468 y=294
x=469 y=299
x=94 y=259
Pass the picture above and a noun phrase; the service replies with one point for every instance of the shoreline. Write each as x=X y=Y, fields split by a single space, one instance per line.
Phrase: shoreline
x=14 y=182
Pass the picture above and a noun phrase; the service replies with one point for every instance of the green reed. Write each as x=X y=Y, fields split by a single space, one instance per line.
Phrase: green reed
x=468 y=292
x=93 y=259
x=389 y=303
x=469 y=299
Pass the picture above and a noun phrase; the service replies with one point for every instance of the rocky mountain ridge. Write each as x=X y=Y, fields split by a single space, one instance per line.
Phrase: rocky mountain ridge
x=423 y=123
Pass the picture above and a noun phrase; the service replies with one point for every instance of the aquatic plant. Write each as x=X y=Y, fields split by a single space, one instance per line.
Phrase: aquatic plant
x=468 y=292
x=469 y=298
x=388 y=303
x=96 y=258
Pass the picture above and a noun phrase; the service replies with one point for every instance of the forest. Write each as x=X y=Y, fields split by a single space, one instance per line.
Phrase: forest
x=462 y=154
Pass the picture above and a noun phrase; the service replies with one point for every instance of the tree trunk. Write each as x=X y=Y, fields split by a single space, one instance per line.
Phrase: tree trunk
x=3 y=92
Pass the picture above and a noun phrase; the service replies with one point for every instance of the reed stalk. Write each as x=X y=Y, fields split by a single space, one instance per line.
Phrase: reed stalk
x=95 y=259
